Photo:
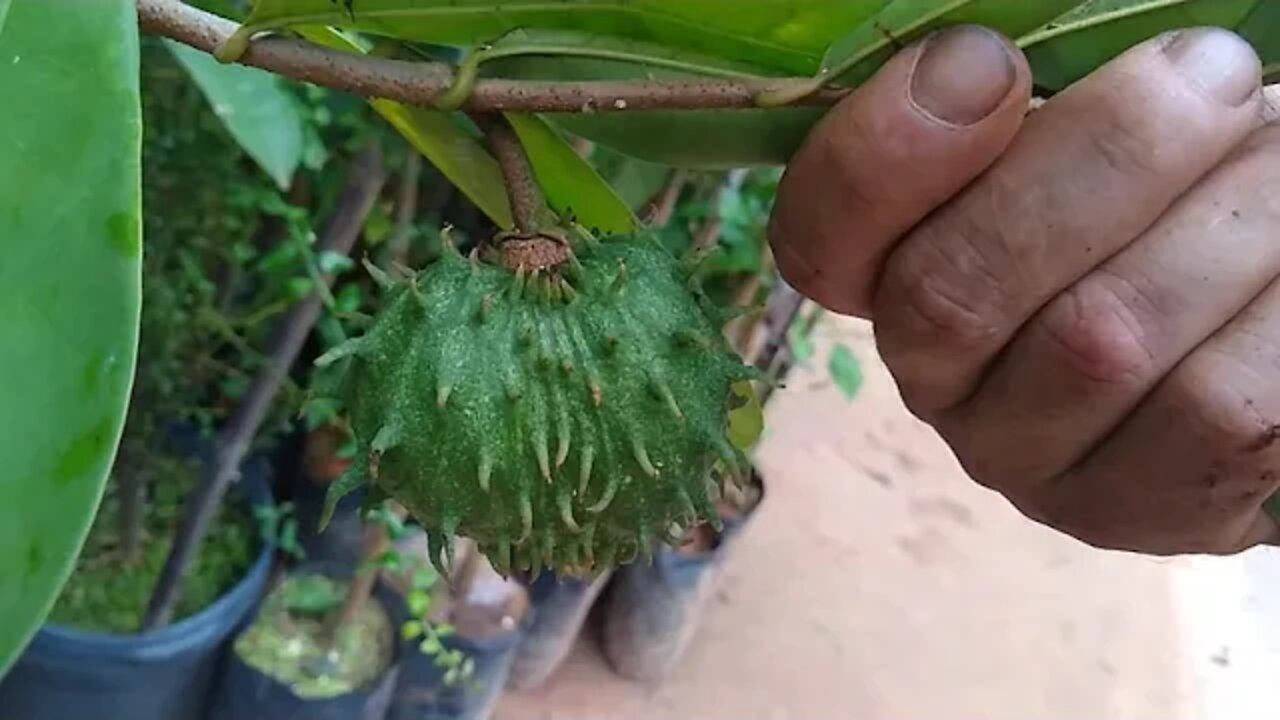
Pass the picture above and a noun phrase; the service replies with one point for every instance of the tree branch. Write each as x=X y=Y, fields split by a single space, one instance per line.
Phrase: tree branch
x=420 y=83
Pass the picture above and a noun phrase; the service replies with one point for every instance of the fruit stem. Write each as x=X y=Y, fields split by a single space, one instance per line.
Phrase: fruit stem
x=527 y=201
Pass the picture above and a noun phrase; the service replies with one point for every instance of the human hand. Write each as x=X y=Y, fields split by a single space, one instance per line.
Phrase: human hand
x=1083 y=301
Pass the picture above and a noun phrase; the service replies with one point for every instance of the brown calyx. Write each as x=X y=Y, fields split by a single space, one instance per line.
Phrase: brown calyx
x=532 y=252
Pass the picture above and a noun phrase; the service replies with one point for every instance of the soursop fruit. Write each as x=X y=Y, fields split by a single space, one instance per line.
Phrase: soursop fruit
x=561 y=406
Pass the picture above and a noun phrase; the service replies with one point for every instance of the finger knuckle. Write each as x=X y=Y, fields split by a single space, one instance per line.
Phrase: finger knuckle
x=1098 y=330
x=1235 y=416
x=942 y=290
x=1127 y=144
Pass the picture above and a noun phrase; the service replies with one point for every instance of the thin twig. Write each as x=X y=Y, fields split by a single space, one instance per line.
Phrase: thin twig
x=406 y=207
x=364 y=182
x=421 y=83
x=663 y=205
x=527 y=200
x=376 y=542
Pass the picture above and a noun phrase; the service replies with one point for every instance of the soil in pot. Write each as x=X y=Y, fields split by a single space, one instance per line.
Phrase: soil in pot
x=293 y=662
x=652 y=610
x=108 y=593
x=67 y=673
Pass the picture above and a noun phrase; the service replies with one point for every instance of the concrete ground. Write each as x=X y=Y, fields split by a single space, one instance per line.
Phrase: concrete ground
x=878 y=582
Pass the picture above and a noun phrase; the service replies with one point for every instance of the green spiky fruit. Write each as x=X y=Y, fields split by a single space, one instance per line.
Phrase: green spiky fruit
x=563 y=409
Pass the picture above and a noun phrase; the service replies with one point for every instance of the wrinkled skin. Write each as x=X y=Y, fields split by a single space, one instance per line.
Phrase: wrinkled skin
x=1083 y=299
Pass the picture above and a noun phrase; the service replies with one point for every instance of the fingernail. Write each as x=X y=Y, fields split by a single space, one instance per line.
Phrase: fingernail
x=963 y=75
x=1217 y=60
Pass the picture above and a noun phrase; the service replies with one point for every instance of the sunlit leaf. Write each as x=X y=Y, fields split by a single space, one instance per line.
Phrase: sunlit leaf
x=858 y=54
x=448 y=145
x=256 y=108
x=70 y=285
x=1091 y=35
x=786 y=36
x=571 y=184
x=746 y=415
x=846 y=371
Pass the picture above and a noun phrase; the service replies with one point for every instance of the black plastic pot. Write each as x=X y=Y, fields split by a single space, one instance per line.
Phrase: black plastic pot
x=342 y=540
x=652 y=610
x=559 y=607
x=168 y=674
x=245 y=693
x=422 y=693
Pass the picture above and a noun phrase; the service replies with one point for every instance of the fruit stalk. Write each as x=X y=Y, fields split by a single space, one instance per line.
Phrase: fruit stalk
x=527 y=200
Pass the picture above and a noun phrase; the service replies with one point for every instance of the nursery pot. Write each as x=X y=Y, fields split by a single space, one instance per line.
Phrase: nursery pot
x=651 y=610
x=246 y=693
x=559 y=607
x=342 y=540
x=423 y=694
x=165 y=674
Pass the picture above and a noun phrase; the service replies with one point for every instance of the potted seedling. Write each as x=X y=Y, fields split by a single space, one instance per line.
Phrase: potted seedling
x=460 y=639
x=324 y=643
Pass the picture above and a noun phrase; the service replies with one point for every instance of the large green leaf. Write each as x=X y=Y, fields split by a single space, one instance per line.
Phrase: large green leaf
x=453 y=148
x=1262 y=29
x=4 y=12
x=70 y=284
x=1089 y=36
x=256 y=108
x=571 y=184
x=857 y=55
x=787 y=36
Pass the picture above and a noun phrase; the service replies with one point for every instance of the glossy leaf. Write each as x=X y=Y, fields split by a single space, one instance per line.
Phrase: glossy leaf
x=571 y=185
x=746 y=415
x=70 y=285
x=786 y=36
x=453 y=148
x=4 y=12
x=255 y=107
x=856 y=56
x=1262 y=29
x=1091 y=35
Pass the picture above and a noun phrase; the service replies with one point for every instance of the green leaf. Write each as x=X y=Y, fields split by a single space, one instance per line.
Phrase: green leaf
x=801 y=345
x=856 y=56
x=571 y=184
x=333 y=262
x=453 y=149
x=845 y=370
x=746 y=415
x=255 y=107
x=1272 y=506
x=4 y=12
x=635 y=181
x=786 y=36
x=70 y=285
x=1075 y=44
x=1262 y=28
x=410 y=629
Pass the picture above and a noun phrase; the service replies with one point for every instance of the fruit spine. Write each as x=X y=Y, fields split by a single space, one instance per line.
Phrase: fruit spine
x=562 y=408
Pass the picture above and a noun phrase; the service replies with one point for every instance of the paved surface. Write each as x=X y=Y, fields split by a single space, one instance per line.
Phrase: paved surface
x=878 y=582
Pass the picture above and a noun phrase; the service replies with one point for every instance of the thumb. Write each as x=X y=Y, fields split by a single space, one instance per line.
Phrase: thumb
x=932 y=119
